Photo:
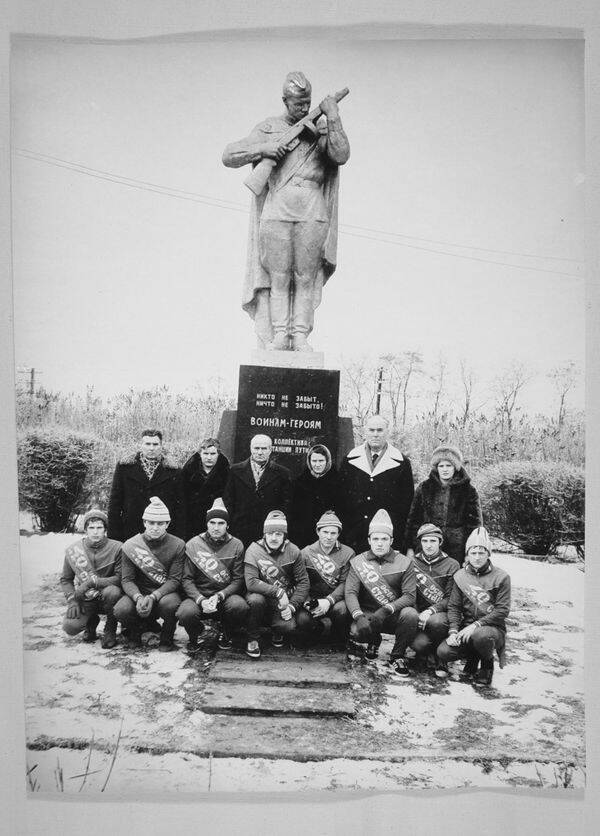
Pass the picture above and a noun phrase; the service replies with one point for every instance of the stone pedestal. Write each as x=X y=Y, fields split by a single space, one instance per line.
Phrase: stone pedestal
x=296 y=407
x=288 y=359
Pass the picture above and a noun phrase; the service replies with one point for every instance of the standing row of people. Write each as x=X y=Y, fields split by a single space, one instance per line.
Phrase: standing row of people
x=373 y=475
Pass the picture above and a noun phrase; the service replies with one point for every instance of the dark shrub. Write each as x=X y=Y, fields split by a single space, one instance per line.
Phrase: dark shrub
x=535 y=505
x=53 y=464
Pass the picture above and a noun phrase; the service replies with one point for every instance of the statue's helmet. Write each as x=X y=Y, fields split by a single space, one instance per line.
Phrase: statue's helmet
x=296 y=84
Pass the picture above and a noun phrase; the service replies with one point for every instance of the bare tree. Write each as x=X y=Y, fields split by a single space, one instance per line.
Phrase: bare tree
x=359 y=377
x=507 y=386
x=400 y=369
x=467 y=379
x=563 y=379
x=439 y=379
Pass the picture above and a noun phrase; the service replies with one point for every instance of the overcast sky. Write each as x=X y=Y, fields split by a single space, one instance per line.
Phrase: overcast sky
x=461 y=208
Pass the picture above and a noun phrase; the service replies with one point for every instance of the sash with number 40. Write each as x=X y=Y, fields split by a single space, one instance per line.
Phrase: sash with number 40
x=145 y=560
x=271 y=572
x=477 y=594
x=372 y=578
x=428 y=588
x=212 y=566
x=83 y=569
x=324 y=566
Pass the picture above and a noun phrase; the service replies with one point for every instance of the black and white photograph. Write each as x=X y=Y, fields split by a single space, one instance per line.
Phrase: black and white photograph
x=299 y=332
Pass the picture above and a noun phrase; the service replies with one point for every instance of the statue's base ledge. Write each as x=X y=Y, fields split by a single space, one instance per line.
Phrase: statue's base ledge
x=288 y=359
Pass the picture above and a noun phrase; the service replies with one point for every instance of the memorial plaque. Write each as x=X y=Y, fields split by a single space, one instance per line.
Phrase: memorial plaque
x=295 y=407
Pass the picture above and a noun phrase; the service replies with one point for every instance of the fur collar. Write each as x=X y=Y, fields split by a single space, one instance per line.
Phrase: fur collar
x=132 y=457
x=391 y=458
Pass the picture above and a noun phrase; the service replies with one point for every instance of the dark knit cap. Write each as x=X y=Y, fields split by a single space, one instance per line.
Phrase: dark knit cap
x=329 y=518
x=430 y=530
x=218 y=511
x=95 y=514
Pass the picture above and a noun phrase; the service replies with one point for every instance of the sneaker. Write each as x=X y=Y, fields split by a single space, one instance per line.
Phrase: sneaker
x=253 y=649
x=483 y=679
x=372 y=651
x=276 y=639
x=109 y=639
x=441 y=670
x=354 y=650
x=224 y=642
x=399 y=667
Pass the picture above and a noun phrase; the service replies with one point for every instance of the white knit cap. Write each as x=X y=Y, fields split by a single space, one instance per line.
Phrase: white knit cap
x=479 y=537
x=157 y=511
x=381 y=523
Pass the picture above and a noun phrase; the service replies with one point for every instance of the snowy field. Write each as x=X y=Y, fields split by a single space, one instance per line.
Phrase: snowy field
x=120 y=721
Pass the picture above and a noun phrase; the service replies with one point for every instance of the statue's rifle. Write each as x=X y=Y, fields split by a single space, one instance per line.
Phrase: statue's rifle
x=257 y=179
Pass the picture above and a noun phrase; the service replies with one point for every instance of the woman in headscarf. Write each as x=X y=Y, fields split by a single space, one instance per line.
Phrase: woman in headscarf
x=314 y=491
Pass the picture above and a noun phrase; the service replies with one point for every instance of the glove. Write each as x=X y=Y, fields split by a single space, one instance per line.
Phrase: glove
x=453 y=640
x=286 y=613
x=209 y=605
x=377 y=618
x=79 y=593
x=363 y=628
x=323 y=608
x=73 y=610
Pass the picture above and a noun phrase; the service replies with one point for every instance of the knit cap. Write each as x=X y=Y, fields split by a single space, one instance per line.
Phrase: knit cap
x=157 y=511
x=446 y=453
x=381 y=523
x=275 y=521
x=218 y=511
x=329 y=518
x=479 y=537
x=94 y=514
x=430 y=530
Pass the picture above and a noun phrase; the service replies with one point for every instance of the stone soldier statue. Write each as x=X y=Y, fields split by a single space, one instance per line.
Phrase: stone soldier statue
x=293 y=220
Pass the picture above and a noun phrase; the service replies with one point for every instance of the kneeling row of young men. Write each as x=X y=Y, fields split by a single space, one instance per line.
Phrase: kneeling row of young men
x=431 y=605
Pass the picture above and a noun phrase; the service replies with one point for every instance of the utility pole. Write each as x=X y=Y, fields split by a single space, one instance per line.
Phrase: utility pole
x=378 y=393
x=32 y=382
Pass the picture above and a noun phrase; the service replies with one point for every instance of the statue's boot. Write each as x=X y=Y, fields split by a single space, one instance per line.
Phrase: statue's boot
x=302 y=315
x=280 y=315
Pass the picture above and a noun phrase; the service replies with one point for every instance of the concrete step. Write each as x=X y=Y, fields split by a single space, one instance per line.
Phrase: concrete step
x=275 y=700
x=298 y=672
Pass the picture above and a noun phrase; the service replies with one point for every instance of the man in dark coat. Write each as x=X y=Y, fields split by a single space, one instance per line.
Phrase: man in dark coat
x=315 y=491
x=446 y=499
x=255 y=487
x=138 y=477
x=375 y=475
x=204 y=478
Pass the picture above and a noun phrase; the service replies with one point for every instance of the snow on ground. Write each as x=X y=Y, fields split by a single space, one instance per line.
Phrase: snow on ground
x=527 y=731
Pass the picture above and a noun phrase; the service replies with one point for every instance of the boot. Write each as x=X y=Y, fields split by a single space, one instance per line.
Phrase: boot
x=300 y=343
x=372 y=651
x=470 y=669
x=166 y=638
x=484 y=678
x=280 y=342
x=89 y=634
x=109 y=637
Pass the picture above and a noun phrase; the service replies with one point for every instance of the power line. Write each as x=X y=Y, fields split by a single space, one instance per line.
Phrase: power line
x=195 y=197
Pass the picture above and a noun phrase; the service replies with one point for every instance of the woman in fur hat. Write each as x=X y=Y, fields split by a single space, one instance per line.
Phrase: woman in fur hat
x=447 y=499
